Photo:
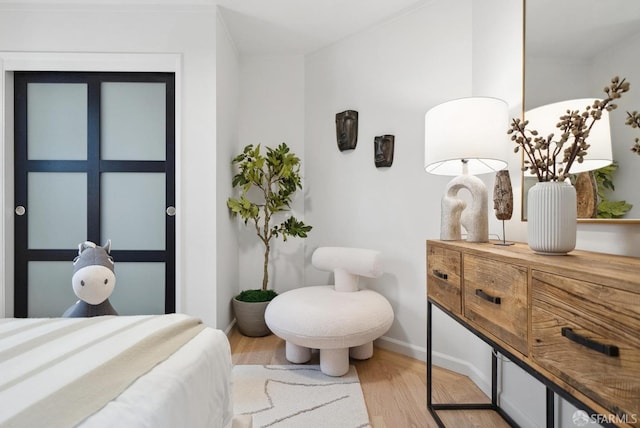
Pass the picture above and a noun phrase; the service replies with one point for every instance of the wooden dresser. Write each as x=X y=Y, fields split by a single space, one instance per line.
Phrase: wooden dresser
x=573 y=322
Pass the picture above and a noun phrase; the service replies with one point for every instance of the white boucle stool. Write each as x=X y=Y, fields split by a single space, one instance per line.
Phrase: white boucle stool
x=340 y=320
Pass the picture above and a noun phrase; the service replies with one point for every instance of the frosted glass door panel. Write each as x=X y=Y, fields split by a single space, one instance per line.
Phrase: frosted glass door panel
x=133 y=121
x=57 y=125
x=57 y=209
x=139 y=288
x=50 y=291
x=133 y=210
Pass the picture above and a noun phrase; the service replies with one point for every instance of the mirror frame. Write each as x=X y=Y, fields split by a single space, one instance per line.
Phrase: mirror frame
x=615 y=221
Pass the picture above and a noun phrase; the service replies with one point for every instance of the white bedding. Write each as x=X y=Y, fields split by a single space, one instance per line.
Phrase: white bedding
x=190 y=387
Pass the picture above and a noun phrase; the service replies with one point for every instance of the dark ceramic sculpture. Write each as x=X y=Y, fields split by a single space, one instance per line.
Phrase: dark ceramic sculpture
x=383 y=150
x=347 y=130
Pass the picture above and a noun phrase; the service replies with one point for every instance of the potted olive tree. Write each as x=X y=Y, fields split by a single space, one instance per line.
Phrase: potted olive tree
x=267 y=184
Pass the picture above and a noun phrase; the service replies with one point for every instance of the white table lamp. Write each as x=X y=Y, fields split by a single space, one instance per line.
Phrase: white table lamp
x=463 y=138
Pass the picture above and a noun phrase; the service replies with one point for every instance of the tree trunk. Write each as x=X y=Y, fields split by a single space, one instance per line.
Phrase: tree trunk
x=265 y=273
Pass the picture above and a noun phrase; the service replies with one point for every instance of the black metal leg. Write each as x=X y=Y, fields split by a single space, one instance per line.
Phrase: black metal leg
x=430 y=369
x=429 y=361
x=433 y=408
x=494 y=390
x=550 y=408
x=494 y=378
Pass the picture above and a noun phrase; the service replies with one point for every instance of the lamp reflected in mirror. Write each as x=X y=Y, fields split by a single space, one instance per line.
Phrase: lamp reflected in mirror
x=592 y=201
x=572 y=61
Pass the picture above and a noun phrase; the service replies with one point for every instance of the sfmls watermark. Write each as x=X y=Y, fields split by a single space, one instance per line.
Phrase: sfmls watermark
x=582 y=418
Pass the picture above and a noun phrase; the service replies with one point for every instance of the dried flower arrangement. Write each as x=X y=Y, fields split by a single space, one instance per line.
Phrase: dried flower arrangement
x=542 y=153
x=633 y=120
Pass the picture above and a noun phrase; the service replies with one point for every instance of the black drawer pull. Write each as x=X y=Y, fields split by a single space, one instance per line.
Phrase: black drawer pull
x=609 y=350
x=439 y=274
x=487 y=297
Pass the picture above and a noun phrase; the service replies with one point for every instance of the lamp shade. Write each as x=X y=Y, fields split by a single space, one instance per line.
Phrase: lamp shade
x=544 y=119
x=469 y=132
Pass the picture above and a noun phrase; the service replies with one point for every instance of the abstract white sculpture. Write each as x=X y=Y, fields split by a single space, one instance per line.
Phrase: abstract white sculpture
x=455 y=213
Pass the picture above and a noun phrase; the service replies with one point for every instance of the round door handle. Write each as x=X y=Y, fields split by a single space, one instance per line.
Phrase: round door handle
x=20 y=210
x=171 y=211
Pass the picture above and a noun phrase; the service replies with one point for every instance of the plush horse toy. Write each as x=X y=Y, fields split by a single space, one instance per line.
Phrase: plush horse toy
x=93 y=281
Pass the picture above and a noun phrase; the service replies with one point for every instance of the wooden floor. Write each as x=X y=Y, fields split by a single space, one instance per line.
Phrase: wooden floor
x=394 y=386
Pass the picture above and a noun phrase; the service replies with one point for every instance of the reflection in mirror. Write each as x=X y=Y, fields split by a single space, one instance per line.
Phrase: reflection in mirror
x=572 y=50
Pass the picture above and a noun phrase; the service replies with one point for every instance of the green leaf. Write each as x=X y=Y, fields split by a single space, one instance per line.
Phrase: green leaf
x=292 y=227
x=613 y=209
x=244 y=208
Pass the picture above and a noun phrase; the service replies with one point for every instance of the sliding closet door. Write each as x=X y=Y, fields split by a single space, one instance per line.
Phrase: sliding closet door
x=94 y=160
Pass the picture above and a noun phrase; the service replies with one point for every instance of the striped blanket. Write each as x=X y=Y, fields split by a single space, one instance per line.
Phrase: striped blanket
x=58 y=371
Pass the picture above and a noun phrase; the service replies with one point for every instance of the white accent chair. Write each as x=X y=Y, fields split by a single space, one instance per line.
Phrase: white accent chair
x=340 y=320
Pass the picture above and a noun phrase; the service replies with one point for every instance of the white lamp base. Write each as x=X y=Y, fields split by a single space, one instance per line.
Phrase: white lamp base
x=455 y=212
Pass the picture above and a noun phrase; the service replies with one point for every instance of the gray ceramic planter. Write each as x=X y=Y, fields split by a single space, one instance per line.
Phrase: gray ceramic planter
x=250 y=318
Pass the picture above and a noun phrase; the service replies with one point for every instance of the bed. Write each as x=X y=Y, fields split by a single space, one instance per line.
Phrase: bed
x=133 y=371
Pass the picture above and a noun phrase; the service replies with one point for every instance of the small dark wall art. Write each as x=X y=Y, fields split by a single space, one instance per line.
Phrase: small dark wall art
x=347 y=130
x=383 y=150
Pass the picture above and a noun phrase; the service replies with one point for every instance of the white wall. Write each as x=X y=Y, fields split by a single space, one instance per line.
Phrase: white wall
x=189 y=31
x=271 y=112
x=227 y=127
x=391 y=74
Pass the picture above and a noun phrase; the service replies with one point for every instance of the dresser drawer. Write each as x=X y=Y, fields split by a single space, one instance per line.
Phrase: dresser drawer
x=578 y=338
x=495 y=298
x=443 y=277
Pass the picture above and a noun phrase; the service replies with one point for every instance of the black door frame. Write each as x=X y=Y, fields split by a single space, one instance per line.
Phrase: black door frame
x=94 y=167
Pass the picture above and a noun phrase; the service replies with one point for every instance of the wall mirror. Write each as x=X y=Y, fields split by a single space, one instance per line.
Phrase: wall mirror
x=572 y=50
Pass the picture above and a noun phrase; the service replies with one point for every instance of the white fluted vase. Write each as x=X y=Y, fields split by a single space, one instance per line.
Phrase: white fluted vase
x=551 y=218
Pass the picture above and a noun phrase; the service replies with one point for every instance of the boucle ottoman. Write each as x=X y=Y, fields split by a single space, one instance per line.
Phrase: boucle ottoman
x=338 y=323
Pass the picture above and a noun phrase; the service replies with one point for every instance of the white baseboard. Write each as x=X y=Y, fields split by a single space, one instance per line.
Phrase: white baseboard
x=229 y=327
x=404 y=348
x=464 y=368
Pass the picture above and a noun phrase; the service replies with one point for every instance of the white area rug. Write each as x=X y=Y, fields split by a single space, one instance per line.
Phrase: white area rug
x=298 y=396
